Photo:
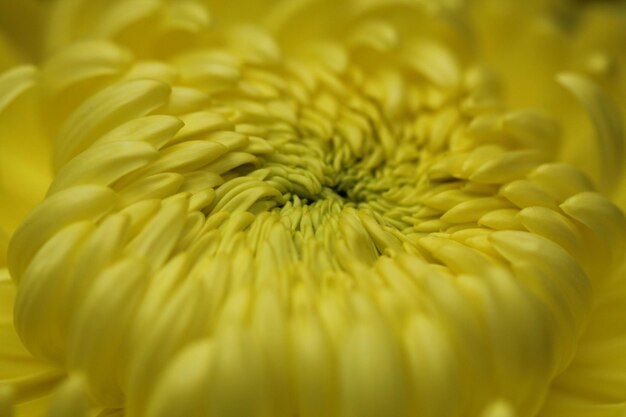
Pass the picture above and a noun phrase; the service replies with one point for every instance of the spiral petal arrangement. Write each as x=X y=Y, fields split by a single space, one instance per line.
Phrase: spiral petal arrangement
x=303 y=208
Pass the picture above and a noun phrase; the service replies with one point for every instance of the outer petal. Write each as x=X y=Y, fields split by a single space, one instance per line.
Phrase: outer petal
x=23 y=379
x=593 y=385
x=530 y=42
x=24 y=151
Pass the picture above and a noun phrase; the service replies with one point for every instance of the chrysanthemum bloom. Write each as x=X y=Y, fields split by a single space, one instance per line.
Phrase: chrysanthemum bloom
x=302 y=209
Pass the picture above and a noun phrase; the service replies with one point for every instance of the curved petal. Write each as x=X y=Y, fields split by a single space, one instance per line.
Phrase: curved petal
x=28 y=381
x=24 y=151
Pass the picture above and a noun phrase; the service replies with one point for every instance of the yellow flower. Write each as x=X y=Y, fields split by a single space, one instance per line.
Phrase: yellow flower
x=312 y=208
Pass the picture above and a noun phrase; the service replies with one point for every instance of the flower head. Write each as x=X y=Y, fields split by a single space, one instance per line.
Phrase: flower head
x=303 y=208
